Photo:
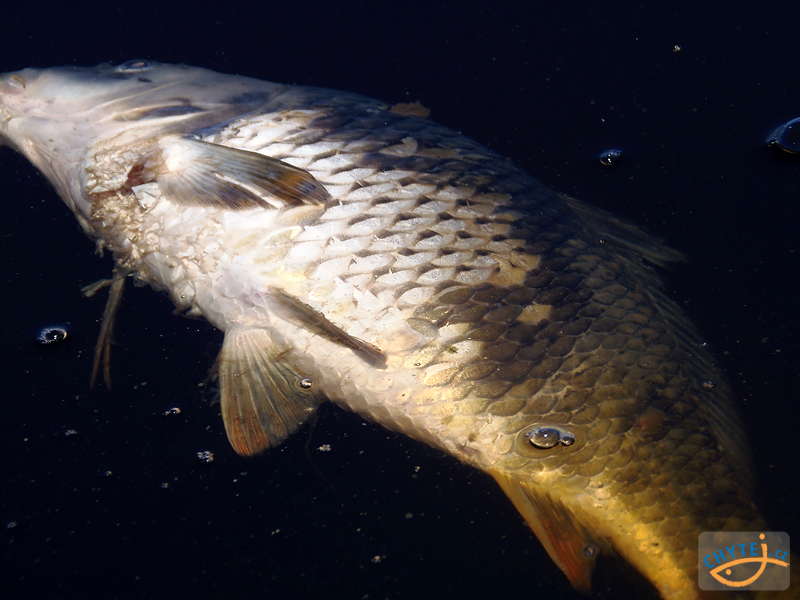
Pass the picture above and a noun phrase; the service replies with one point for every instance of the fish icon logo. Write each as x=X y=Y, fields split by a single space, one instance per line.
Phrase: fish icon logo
x=743 y=560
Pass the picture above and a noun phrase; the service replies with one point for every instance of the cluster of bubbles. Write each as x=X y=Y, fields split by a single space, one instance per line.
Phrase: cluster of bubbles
x=205 y=457
x=549 y=437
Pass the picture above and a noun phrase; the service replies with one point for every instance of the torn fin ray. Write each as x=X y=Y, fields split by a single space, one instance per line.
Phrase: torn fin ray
x=195 y=173
x=261 y=400
x=295 y=310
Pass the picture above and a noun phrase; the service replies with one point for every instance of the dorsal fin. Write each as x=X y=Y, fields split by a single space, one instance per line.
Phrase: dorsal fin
x=263 y=400
x=195 y=173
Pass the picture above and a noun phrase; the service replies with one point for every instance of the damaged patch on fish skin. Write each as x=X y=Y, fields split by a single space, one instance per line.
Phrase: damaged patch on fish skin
x=196 y=173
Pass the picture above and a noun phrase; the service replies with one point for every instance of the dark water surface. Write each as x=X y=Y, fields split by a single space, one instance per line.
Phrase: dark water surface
x=123 y=508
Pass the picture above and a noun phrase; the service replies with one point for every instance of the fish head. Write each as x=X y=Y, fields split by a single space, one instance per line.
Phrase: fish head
x=61 y=117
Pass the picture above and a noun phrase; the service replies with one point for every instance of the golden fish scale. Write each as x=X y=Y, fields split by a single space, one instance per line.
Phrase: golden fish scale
x=571 y=327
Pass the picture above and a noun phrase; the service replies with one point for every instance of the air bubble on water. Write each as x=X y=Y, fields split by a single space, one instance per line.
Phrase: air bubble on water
x=590 y=550
x=52 y=335
x=786 y=137
x=611 y=157
x=305 y=383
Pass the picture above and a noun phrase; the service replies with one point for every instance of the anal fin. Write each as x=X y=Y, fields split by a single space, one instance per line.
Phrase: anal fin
x=263 y=400
x=559 y=529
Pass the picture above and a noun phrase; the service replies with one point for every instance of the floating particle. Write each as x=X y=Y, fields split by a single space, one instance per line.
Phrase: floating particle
x=324 y=448
x=70 y=432
x=172 y=412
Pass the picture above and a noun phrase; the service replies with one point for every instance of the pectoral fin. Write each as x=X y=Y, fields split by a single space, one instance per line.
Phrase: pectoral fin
x=195 y=173
x=263 y=400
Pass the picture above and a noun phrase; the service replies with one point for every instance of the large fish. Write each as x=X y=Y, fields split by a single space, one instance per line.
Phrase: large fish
x=357 y=252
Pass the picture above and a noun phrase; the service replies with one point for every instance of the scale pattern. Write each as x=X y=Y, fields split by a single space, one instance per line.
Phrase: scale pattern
x=515 y=308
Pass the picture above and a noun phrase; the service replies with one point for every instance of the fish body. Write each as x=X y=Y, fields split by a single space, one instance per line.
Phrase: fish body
x=360 y=253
